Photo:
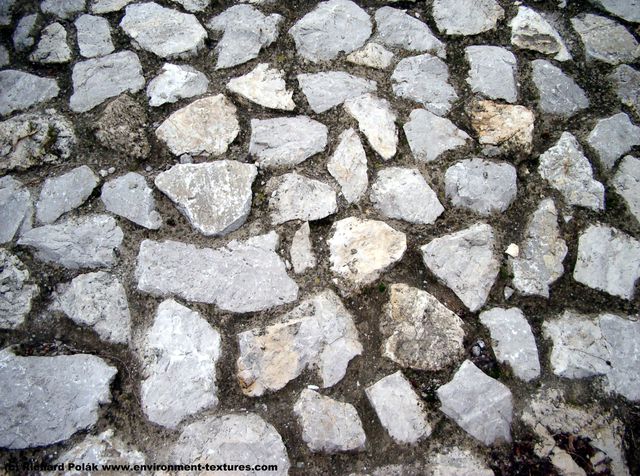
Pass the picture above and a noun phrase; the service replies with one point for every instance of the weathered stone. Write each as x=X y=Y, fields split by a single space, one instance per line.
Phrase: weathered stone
x=480 y=185
x=626 y=9
x=429 y=135
x=6 y=9
x=64 y=193
x=286 y=141
x=333 y=27
x=605 y=39
x=328 y=426
x=613 y=137
x=456 y=462
x=332 y=88
x=425 y=79
x=503 y=125
x=214 y=196
x=466 y=17
x=20 y=90
x=482 y=406
x=264 y=86
x=492 y=72
x=206 y=126
x=179 y=354
x=107 y=6
x=236 y=439
x=23 y=35
x=16 y=209
x=94 y=36
x=627 y=184
x=295 y=197
x=98 y=79
x=566 y=168
x=50 y=398
x=404 y=194
x=396 y=29
x=243 y=276
x=163 y=31
x=626 y=82
x=558 y=93
x=301 y=251
x=245 y=32
x=348 y=165
x=130 y=197
x=16 y=293
x=52 y=47
x=608 y=260
x=466 y=262
x=86 y=242
x=530 y=31
x=372 y=55
x=419 y=331
x=63 y=8
x=376 y=120
x=122 y=127
x=193 y=5
x=176 y=82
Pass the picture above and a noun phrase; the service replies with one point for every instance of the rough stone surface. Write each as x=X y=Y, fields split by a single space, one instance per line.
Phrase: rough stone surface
x=264 y=86
x=531 y=31
x=613 y=137
x=122 y=128
x=295 y=197
x=23 y=35
x=107 y=6
x=348 y=165
x=558 y=93
x=430 y=136
x=319 y=335
x=16 y=292
x=20 y=90
x=626 y=82
x=6 y=7
x=456 y=462
x=503 y=125
x=193 y=5
x=328 y=426
x=492 y=72
x=627 y=184
x=52 y=47
x=301 y=251
x=466 y=17
x=94 y=36
x=626 y=9
x=397 y=29
x=130 y=196
x=64 y=9
x=332 y=88
x=605 y=39
x=482 y=406
x=176 y=82
x=372 y=55
x=16 y=209
x=376 y=120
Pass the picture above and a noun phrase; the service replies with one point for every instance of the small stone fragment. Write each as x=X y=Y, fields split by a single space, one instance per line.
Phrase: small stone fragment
x=52 y=47
x=558 y=93
x=613 y=137
x=530 y=31
x=348 y=165
x=466 y=17
x=627 y=184
x=332 y=88
x=130 y=197
x=94 y=36
x=16 y=209
x=397 y=29
x=429 y=135
x=176 y=82
x=20 y=90
x=372 y=55
x=295 y=197
x=376 y=121
x=492 y=72
x=605 y=39
x=64 y=9
x=122 y=127
x=16 y=293
x=23 y=35
x=301 y=252
x=503 y=125
x=626 y=82
x=107 y=6
x=264 y=86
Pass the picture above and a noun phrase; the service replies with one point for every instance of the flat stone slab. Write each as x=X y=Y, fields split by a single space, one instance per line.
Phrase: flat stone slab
x=63 y=8
x=243 y=276
x=376 y=120
x=328 y=426
x=505 y=125
x=296 y=197
x=492 y=72
x=130 y=196
x=17 y=291
x=50 y=398
x=20 y=90
x=430 y=135
x=613 y=137
x=454 y=462
x=318 y=335
x=606 y=40
x=531 y=31
x=348 y=165
x=16 y=209
x=107 y=6
x=626 y=183
x=626 y=9
x=301 y=251
x=372 y=55
x=466 y=17
x=558 y=93
x=94 y=36
x=264 y=86
x=103 y=449
x=397 y=29
x=331 y=88
x=626 y=83
x=52 y=47
x=176 y=82
x=24 y=32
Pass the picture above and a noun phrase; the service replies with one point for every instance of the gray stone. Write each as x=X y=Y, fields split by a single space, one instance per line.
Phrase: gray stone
x=64 y=193
x=558 y=93
x=94 y=36
x=372 y=55
x=243 y=276
x=23 y=35
x=179 y=354
x=482 y=406
x=627 y=184
x=483 y=186
x=399 y=409
x=626 y=9
x=86 y=242
x=348 y=165
x=425 y=79
x=50 y=398
x=286 y=141
x=244 y=439
x=163 y=31
x=404 y=194
x=608 y=260
x=98 y=301
x=332 y=88
x=531 y=31
x=98 y=79
x=605 y=39
x=245 y=32
x=376 y=120
x=296 y=197
x=492 y=72
x=214 y=196
x=513 y=342
x=52 y=47
x=130 y=197
x=397 y=29
x=328 y=426
x=64 y=9
x=466 y=262
x=567 y=170
x=301 y=251
x=613 y=137
x=333 y=27
x=626 y=82
x=419 y=331
x=466 y=17
x=16 y=209
x=318 y=335
x=193 y=5
x=505 y=125
x=205 y=127
x=539 y=263
x=457 y=462
x=6 y=9
x=176 y=82
x=429 y=135
x=107 y=6
x=122 y=127
x=264 y=86
x=16 y=293
x=20 y=90
x=4 y=56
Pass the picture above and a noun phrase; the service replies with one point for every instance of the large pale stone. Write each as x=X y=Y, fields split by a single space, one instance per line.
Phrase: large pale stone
x=94 y=36
x=503 y=125
x=613 y=137
x=176 y=82
x=348 y=165
x=606 y=40
x=130 y=196
x=52 y=47
x=397 y=29
x=530 y=30
x=627 y=184
x=20 y=90
x=558 y=93
x=372 y=55
x=430 y=136
x=492 y=72
x=295 y=197
x=16 y=209
x=264 y=86
x=16 y=292
x=376 y=120
x=332 y=88
x=301 y=251
x=466 y=17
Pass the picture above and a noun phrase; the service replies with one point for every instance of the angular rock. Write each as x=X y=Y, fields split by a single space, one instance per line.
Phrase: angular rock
x=372 y=55
x=492 y=72
x=245 y=32
x=96 y=80
x=23 y=35
x=176 y=82
x=63 y=8
x=567 y=170
x=425 y=79
x=539 y=263
x=348 y=165
x=16 y=209
x=163 y=31
x=205 y=127
x=16 y=293
x=20 y=90
x=264 y=86
x=286 y=141
x=107 y=6
x=328 y=426
x=605 y=39
x=608 y=260
x=513 y=341
x=399 y=409
x=361 y=250
x=503 y=125
x=243 y=276
x=627 y=184
x=482 y=406
x=558 y=93
x=193 y=5
x=626 y=82
x=319 y=335
x=50 y=398
x=625 y=9
x=420 y=332
x=466 y=262
x=456 y=462
x=332 y=88
x=52 y=47
x=333 y=27
x=376 y=120
x=430 y=135
x=404 y=194
x=530 y=31
x=179 y=354
x=64 y=193
x=98 y=301
x=214 y=196
x=130 y=197
x=483 y=186
x=122 y=127
x=301 y=251
x=613 y=137
x=397 y=29
x=295 y=197
x=466 y=17
x=94 y=36
x=86 y=242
